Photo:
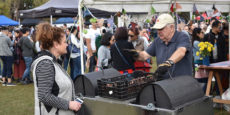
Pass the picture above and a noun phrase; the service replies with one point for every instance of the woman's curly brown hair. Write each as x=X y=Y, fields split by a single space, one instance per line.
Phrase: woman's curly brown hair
x=46 y=35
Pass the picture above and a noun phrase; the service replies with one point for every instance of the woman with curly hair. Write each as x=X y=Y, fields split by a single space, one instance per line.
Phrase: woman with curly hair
x=54 y=89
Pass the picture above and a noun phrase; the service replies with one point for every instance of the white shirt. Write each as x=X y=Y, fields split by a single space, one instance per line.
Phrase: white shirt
x=76 y=43
x=93 y=34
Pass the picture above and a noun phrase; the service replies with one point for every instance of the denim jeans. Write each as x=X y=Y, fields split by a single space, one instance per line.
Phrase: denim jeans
x=0 y=67
x=28 y=61
x=75 y=65
x=66 y=60
x=7 y=66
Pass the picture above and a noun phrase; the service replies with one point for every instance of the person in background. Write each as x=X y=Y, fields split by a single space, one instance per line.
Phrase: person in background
x=225 y=34
x=104 y=57
x=54 y=89
x=91 y=36
x=27 y=47
x=67 y=55
x=75 y=56
x=144 y=34
x=19 y=63
x=213 y=19
x=217 y=40
x=122 y=59
x=138 y=42
x=197 y=37
x=172 y=49
x=7 y=57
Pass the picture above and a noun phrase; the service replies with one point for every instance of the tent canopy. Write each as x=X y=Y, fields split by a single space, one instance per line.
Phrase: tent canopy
x=58 y=8
x=64 y=20
x=159 y=5
x=30 y=22
x=5 y=21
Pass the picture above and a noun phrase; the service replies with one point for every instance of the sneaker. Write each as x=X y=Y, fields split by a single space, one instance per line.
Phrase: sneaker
x=10 y=84
x=24 y=82
x=4 y=84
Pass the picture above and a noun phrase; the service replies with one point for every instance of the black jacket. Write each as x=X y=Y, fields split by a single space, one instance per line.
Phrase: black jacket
x=221 y=46
x=117 y=61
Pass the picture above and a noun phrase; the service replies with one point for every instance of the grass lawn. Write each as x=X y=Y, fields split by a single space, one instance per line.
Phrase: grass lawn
x=19 y=100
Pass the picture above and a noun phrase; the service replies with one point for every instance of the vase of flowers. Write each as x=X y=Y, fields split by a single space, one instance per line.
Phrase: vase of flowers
x=204 y=52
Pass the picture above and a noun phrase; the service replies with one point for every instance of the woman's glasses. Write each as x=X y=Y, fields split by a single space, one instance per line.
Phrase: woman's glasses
x=131 y=36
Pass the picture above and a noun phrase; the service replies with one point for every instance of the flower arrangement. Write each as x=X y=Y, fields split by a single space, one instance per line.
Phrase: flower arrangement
x=205 y=49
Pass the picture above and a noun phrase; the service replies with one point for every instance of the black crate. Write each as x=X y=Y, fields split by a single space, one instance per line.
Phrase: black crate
x=123 y=87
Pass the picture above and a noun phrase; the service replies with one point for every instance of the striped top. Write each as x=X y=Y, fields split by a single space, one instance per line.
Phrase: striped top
x=46 y=87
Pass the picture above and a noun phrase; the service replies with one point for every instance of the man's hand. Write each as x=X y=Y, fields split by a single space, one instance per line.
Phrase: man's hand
x=164 y=67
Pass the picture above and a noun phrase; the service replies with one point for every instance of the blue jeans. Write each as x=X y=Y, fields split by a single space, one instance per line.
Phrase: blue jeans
x=0 y=67
x=26 y=74
x=7 y=66
x=75 y=65
x=66 y=59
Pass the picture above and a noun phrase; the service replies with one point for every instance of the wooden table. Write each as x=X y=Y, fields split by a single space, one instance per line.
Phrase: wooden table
x=214 y=70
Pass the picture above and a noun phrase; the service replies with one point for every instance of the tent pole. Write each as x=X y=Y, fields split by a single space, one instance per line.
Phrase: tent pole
x=81 y=35
x=170 y=3
x=51 y=19
x=19 y=22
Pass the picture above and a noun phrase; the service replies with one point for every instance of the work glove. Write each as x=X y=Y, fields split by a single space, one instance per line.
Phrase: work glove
x=164 y=67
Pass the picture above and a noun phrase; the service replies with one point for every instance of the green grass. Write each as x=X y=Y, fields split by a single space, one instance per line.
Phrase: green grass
x=19 y=100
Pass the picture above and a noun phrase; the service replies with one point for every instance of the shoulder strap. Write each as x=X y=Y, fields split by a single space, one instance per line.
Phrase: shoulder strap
x=123 y=58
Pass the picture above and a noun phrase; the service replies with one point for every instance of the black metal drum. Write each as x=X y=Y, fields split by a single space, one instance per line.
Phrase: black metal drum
x=171 y=93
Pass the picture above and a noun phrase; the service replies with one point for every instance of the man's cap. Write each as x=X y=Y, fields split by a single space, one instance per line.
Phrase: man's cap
x=163 y=20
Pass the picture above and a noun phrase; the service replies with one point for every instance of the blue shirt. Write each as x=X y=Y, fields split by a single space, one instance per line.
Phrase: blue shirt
x=163 y=52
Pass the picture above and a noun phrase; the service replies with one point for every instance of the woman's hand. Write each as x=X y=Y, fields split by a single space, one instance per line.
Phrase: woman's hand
x=74 y=105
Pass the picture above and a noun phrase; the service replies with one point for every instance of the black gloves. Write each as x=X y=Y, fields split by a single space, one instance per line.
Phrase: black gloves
x=164 y=67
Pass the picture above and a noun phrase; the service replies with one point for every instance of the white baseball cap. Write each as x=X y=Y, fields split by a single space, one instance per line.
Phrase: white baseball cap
x=163 y=20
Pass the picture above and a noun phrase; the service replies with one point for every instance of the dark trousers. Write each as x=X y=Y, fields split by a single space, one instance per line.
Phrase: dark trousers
x=92 y=63
x=7 y=66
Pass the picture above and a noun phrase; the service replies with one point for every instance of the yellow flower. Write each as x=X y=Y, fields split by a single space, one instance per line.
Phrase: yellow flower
x=197 y=53
x=201 y=58
x=209 y=49
x=201 y=48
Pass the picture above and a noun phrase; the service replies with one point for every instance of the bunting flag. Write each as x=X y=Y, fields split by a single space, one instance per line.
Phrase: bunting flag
x=195 y=11
x=201 y=18
x=123 y=11
x=215 y=11
x=153 y=11
x=175 y=6
x=178 y=6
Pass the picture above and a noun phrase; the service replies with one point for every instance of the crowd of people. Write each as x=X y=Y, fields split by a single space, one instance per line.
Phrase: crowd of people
x=106 y=47
x=47 y=52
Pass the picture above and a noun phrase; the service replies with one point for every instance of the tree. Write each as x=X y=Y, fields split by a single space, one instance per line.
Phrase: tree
x=39 y=2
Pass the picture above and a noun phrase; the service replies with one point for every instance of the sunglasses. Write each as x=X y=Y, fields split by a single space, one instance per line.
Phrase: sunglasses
x=131 y=36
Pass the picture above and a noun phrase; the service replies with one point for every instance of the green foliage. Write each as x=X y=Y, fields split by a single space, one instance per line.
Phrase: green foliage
x=39 y=2
x=5 y=7
x=8 y=7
